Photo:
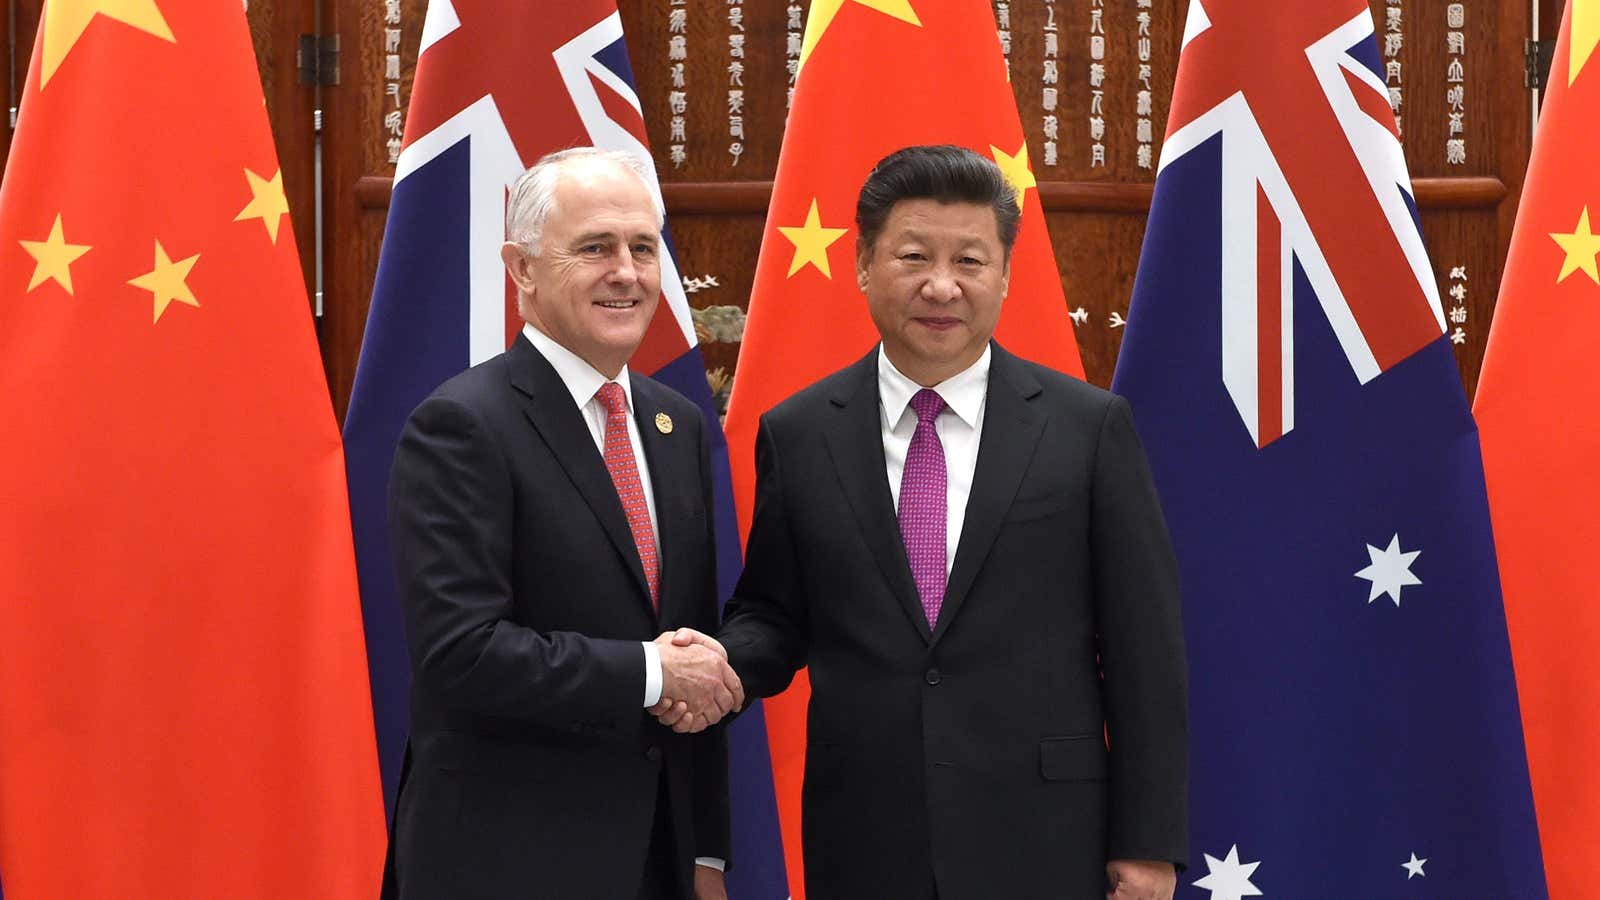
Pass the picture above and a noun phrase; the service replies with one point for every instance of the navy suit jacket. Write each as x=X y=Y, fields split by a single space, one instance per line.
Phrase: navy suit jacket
x=971 y=757
x=532 y=768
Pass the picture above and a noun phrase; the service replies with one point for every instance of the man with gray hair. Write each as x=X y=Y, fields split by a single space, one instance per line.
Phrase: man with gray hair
x=551 y=514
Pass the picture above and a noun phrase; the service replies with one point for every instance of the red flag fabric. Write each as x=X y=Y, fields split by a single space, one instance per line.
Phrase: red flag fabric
x=1538 y=410
x=875 y=76
x=184 y=708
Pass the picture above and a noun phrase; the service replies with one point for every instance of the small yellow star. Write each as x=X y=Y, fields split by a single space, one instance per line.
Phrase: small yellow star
x=1581 y=246
x=65 y=21
x=166 y=281
x=267 y=203
x=1016 y=170
x=811 y=242
x=54 y=258
x=823 y=11
x=1585 y=36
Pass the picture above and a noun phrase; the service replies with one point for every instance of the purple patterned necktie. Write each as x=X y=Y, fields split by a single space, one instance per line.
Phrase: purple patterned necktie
x=922 y=505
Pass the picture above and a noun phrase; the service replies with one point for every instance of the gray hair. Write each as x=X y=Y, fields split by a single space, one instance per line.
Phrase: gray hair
x=533 y=196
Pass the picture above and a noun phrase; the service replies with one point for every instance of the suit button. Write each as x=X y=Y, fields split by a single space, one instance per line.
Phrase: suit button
x=933 y=676
x=653 y=754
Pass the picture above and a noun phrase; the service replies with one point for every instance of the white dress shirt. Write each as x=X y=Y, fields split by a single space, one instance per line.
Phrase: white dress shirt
x=959 y=426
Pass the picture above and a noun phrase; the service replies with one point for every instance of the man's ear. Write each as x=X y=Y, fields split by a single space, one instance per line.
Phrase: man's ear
x=861 y=272
x=519 y=265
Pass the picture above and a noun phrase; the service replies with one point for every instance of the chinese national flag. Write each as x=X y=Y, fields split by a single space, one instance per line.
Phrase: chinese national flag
x=183 y=694
x=1538 y=409
x=875 y=76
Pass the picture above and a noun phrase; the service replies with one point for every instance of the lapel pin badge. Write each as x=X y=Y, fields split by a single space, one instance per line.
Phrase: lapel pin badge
x=663 y=423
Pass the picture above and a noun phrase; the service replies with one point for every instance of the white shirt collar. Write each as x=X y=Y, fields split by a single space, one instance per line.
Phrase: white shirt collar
x=963 y=392
x=581 y=379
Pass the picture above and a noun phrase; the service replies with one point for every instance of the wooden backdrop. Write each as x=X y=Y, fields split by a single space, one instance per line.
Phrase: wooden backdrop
x=1095 y=212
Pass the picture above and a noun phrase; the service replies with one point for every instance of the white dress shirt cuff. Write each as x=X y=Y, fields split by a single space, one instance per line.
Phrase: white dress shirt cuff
x=652 y=674
x=711 y=862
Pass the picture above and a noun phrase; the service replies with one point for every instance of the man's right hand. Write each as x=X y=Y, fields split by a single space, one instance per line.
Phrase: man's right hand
x=698 y=687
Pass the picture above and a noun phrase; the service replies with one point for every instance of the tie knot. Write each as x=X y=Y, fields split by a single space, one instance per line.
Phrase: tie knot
x=612 y=398
x=927 y=403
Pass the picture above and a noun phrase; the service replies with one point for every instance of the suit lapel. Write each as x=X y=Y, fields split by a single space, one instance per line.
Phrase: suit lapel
x=855 y=441
x=549 y=408
x=1010 y=432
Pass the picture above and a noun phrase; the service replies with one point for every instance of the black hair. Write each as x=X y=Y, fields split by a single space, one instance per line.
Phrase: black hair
x=944 y=173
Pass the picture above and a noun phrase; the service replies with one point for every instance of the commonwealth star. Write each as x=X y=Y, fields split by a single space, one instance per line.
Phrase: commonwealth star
x=1228 y=878
x=1390 y=570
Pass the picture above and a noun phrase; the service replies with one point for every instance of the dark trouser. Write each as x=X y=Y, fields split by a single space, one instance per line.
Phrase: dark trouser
x=660 y=881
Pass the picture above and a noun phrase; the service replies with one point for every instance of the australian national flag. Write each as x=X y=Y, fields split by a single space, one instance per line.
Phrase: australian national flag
x=1353 y=717
x=497 y=86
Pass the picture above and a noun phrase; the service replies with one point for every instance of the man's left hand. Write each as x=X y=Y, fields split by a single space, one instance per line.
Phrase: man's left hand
x=708 y=884
x=1140 y=879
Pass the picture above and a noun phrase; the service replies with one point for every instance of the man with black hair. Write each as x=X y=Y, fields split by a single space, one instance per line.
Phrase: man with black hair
x=967 y=551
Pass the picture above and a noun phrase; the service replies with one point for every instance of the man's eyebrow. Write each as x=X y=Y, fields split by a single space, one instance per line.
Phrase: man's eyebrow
x=965 y=241
x=609 y=237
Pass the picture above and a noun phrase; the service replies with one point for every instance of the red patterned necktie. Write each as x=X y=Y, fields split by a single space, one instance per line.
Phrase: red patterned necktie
x=625 y=475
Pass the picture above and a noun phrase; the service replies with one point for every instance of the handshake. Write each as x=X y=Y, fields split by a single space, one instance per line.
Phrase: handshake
x=698 y=687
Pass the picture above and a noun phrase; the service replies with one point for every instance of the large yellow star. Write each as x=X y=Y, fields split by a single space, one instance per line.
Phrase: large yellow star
x=823 y=11
x=267 y=203
x=54 y=258
x=1581 y=246
x=811 y=242
x=1585 y=35
x=65 y=21
x=166 y=281
x=1016 y=170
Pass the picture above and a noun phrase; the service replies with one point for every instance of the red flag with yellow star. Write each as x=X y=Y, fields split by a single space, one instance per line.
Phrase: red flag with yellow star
x=875 y=76
x=183 y=697
x=1538 y=411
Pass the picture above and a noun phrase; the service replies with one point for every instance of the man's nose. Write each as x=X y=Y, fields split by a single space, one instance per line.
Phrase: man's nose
x=941 y=286
x=624 y=270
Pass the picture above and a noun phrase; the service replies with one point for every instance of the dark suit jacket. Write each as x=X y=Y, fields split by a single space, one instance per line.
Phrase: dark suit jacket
x=532 y=767
x=972 y=755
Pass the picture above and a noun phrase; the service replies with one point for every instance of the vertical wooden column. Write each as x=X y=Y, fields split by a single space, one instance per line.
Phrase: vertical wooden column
x=356 y=170
x=275 y=30
x=26 y=14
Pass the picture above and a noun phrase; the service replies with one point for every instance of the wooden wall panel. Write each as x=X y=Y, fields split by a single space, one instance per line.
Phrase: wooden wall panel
x=706 y=82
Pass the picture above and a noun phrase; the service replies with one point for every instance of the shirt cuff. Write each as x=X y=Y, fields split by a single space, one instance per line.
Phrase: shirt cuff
x=652 y=673
x=711 y=862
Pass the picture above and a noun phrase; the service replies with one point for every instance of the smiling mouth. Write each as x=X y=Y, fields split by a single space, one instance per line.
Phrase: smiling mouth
x=616 y=304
